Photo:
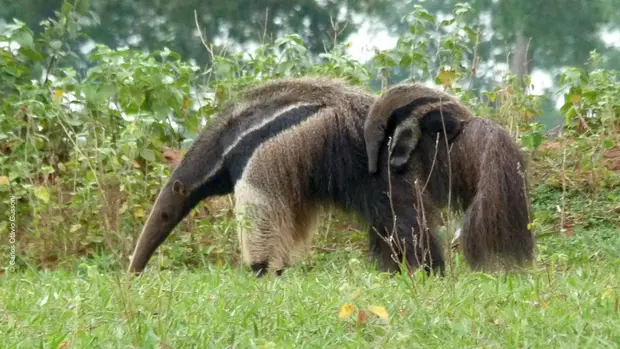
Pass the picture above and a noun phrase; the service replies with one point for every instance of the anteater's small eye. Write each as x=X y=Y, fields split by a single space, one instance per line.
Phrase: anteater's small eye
x=164 y=216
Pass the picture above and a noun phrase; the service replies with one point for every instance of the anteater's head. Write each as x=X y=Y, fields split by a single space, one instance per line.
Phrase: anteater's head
x=200 y=174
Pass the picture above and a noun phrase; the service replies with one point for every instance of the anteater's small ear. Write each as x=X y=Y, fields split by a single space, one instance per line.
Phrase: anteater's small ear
x=406 y=137
x=179 y=188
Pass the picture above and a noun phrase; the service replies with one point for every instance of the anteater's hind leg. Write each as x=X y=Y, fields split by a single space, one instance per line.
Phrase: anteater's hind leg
x=271 y=233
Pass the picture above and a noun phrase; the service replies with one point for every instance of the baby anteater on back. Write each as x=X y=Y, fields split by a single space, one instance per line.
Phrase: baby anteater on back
x=473 y=160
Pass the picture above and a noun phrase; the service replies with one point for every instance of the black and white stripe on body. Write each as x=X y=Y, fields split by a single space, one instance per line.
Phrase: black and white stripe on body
x=239 y=152
x=285 y=150
x=227 y=145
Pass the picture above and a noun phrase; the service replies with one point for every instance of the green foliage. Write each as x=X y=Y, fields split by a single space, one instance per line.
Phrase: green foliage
x=592 y=117
x=592 y=99
x=431 y=50
x=150 y=25
x=84 y=145
x=558 y=32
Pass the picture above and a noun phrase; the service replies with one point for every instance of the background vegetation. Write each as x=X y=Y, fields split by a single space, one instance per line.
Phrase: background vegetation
x=88 y=138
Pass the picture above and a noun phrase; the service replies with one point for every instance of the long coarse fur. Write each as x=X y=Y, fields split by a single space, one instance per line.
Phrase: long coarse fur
x=287 y=149
x=453 y=152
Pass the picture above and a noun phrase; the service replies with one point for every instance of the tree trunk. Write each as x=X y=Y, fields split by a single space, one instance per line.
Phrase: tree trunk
x=521 y=58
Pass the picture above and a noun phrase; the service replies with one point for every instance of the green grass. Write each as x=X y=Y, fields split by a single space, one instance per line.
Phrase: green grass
x=568 y=300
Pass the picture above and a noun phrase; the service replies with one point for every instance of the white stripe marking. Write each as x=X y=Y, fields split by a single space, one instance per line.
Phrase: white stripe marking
x=218 y=165
x=263 y=123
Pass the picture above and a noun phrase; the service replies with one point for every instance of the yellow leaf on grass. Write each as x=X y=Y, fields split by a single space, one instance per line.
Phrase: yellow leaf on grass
x=608 y=292
x=346 y=310
x=4 y=180
x=379 y=311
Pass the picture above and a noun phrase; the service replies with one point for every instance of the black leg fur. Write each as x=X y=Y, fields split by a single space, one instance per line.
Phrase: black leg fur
x=260 y=269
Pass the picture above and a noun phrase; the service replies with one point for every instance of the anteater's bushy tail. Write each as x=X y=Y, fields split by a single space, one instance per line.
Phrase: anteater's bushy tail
x=495 y=228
